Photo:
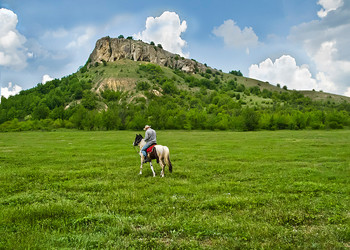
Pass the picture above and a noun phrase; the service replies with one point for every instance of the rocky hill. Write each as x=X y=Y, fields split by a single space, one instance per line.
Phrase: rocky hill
x=126 y=84
x=113 y=49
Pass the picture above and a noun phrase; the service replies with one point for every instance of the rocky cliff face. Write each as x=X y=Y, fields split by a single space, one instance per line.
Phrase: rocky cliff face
x=113 y=49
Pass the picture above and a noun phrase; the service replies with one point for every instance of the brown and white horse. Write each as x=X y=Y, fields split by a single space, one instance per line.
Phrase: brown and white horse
x=159 y=152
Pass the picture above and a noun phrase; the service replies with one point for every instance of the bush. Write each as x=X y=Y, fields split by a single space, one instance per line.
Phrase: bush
x=240 y=88
x=251 y=119
x=335 y=125
x=143 y=85
x=169 y=87
x=151 y=68
x=236 y=73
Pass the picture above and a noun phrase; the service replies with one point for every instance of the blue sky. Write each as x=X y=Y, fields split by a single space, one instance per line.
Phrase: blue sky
x=297 y=43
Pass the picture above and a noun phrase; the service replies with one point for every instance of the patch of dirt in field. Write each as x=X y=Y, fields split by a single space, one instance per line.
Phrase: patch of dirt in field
x=121 y=84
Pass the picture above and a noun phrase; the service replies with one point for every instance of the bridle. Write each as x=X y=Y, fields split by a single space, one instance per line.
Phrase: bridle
x=137 y=152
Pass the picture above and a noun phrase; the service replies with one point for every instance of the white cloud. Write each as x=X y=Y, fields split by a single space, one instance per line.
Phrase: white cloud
x=46 y=78
x=328 y=6
x=235 y=37
x=325 y=83
x=347 y=92
x=285 y=71
x=10 y=90
x=326 y=42
x=83 y=35
x=165 y=30
x=12 y=51
x=326 y=58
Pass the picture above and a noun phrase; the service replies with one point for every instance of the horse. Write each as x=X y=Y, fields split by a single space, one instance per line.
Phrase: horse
x=159 y=152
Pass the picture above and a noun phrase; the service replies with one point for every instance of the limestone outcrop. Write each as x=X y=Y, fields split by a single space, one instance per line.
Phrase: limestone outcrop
x=113 y=49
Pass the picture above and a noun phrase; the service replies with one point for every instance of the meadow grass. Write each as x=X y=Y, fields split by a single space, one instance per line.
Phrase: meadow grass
x=75 y=189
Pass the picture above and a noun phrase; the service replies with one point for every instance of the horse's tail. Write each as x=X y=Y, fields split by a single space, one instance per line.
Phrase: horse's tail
x=167 y=158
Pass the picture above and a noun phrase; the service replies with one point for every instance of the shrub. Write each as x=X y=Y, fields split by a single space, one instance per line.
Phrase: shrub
x=236 y=73
x=240 y=88
x=251 y=119
x=208 y=71
x=143 y=85
x=169 y=87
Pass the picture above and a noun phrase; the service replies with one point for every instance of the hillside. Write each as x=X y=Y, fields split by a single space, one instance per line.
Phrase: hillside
x=126 y=84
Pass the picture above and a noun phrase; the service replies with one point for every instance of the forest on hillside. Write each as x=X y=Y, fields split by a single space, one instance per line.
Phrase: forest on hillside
x=184 y=101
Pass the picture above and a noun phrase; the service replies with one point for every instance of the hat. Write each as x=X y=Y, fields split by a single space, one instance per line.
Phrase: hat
x=146 y=127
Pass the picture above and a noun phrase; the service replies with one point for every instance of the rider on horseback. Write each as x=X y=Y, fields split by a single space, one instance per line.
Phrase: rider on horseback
x=150 y=138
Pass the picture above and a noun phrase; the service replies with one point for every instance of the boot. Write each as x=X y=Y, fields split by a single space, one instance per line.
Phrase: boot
x=146 y=159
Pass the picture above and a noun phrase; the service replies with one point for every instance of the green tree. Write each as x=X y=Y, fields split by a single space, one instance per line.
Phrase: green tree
x=78 y=117
x=236 y=73
x=111 y=119
x=57 y=113
x=89 y=100
x=251 y=119
x=41 y=112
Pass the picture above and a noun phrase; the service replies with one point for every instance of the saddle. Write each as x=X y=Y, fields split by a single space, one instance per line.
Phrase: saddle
x=152 y=153
x=149 y=150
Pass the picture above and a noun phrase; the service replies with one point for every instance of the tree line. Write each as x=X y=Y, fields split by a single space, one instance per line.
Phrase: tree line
x=185 y=101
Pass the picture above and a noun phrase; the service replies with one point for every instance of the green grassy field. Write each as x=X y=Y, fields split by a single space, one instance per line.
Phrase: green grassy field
x=74 y=189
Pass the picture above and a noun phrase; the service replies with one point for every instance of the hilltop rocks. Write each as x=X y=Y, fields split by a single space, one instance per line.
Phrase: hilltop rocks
x=113 y=49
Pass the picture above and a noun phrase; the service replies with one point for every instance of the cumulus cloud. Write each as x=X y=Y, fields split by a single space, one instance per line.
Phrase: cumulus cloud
x=165 y=30
x=12 y=50
x=285 y=71
x=326 y=42
x=327 y=6
x=347 y=92
x=10 y=90
x=46 y=78
x=235 y=37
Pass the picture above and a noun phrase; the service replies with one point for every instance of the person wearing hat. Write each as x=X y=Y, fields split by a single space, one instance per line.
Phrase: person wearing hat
x=150 y=138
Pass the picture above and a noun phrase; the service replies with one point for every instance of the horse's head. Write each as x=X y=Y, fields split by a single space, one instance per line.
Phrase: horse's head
x=138 y=139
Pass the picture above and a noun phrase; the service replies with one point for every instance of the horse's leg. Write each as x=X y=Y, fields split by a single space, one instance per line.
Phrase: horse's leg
x=141 y=164
x=154 y=174
x=162 y=165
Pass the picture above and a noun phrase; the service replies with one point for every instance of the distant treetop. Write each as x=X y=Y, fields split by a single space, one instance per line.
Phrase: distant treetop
x=236 y=73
